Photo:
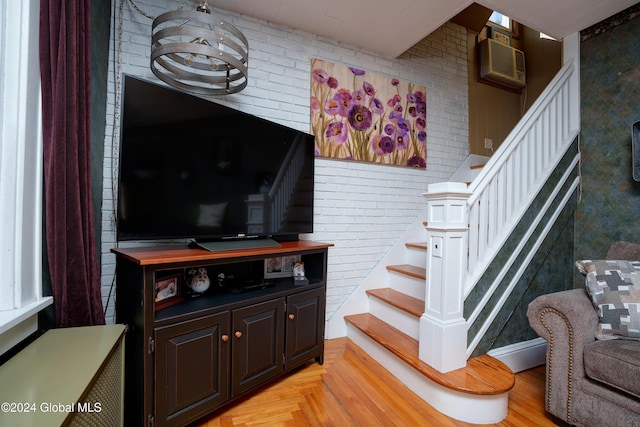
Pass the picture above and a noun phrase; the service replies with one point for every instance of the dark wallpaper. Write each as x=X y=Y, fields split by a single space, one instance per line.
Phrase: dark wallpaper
x=609 y=208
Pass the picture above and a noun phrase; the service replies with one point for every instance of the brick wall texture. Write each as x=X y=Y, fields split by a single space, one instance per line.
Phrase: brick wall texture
x=363 y=209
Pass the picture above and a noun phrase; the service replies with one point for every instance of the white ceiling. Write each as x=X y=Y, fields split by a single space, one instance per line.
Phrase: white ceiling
x=390 y=27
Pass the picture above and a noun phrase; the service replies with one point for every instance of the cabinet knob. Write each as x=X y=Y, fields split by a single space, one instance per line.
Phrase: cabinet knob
x=224 y=338
x=238 y=334
x=292 y=316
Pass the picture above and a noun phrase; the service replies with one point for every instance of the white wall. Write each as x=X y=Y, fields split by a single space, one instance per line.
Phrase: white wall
x=363 y=209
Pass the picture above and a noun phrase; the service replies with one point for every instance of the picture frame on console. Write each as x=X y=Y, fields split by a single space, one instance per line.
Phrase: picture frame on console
x=279 y=267
x=166 y=292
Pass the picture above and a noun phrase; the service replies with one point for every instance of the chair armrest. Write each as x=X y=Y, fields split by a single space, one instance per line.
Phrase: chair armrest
x=567 y=321
x=576 y=311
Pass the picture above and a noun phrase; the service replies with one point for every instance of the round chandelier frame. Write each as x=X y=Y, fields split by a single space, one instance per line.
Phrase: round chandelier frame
x=195 y=52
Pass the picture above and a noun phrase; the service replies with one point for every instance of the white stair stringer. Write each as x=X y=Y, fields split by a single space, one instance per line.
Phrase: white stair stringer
x=476 y=409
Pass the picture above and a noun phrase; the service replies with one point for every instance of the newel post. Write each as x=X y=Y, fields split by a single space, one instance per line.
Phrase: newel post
x=443 y=329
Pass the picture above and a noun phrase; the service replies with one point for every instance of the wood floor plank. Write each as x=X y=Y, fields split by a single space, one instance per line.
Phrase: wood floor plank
x=352 y=389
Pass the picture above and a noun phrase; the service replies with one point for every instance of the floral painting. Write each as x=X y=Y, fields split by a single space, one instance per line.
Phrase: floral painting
x=362 y=116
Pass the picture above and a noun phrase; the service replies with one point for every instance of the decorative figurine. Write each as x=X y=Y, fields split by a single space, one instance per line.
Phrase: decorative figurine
x=299 y=277
x=198 y=280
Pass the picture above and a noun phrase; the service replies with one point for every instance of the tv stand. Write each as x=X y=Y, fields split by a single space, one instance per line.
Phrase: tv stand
x=194 y=356
x=235 y=244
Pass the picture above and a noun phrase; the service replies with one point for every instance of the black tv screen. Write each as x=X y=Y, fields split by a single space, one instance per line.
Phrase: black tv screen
x=195 y=169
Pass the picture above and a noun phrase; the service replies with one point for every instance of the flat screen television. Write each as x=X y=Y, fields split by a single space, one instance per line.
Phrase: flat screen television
x=195 y=169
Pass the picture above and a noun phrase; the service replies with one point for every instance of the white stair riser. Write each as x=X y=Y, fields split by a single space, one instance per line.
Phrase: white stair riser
x=395 y=317
x=475 y=409
x=409 y=285
x=417 y=257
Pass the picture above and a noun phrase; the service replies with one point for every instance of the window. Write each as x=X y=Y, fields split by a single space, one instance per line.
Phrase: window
x=505 y=24
x=20 y=173
x=501 y=20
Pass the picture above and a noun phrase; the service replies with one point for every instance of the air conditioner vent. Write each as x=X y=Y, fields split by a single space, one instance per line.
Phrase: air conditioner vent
x=520 y=61
x=502 y=64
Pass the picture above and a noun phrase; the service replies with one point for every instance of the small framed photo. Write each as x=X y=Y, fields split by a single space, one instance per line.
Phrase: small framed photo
x=166 y=292
x=280 y=266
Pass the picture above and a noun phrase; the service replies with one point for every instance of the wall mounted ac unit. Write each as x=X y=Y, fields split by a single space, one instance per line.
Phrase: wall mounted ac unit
x=502 y=64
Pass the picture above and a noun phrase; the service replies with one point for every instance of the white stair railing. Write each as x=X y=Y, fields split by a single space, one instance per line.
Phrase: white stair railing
x=512 y=178
x=468 y=225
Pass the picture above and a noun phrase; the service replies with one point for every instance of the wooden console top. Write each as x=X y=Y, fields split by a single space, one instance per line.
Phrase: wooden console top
x=166 y=254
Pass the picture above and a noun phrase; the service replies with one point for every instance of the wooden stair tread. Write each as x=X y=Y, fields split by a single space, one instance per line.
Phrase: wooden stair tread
x=404 y=302
x=483 y=375
x=417 y=245
x=409 y=270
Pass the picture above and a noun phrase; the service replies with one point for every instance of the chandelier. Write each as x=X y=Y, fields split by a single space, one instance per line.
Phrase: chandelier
x=193 y=51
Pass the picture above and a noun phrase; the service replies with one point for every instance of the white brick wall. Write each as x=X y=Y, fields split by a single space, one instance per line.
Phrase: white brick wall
x=363 y=209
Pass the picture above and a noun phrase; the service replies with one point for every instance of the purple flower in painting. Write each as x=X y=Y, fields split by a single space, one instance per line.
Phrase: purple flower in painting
x=411 y=98
x=421 y=109
x=395 y=82
x=395 y=115
x=358 y=97
x=332 y=106
x=382 y=145
x=422 y=136
x=360 y=117
x=390 y=129
x=401 y=140
x=404 y=124
x=315 y=104
x=321 y=76
x=357 y=71
x=412 y=111
x=336 y=133
x=345 y=100
x=368 y=88
x=417 y=161
x=393 y=101
x=419 y=96
x=421 y=123
x=376 y=106
x=332 y=82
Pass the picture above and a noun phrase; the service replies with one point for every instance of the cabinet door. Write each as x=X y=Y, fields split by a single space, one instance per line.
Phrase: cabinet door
x=258 y=344
x=191 y=368
x=305 y=327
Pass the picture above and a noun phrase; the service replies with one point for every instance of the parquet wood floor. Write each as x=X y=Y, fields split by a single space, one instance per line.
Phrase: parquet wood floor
x=351 y=389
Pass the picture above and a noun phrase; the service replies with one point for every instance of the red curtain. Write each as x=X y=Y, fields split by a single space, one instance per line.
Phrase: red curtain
x=65 y=66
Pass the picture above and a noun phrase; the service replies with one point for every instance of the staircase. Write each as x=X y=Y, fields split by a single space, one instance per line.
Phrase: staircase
x=417 y=323
x=394 y=343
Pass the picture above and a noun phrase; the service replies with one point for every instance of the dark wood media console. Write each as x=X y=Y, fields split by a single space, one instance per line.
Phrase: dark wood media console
x=199 y=354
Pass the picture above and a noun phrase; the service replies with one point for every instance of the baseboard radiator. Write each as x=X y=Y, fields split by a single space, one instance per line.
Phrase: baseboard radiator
x=67 y=377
